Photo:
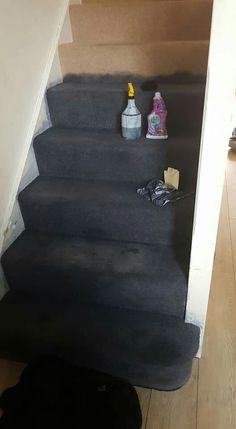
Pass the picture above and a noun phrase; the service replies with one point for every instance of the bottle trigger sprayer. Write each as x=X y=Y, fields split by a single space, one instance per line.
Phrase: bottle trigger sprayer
x=131 y=118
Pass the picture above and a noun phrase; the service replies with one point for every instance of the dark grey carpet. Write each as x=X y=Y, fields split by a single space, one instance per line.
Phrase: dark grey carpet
x=104 y=272
x=105 y=155
x=100 y=275
x=99 y=106
x=99 y=155
x=152 y=349
x=103 y=210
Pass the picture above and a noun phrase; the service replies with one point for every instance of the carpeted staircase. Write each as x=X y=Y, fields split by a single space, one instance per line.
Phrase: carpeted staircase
x=145 y=37
x=99 y=276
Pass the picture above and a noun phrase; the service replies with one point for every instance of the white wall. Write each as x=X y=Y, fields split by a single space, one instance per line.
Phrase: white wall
x=16 y=223
x=29 y=34
x=217 y=127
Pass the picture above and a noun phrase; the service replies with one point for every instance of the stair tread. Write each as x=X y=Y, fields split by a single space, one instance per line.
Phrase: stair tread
x=86 y=2
x=103 y=194
x=101 y=141
x=119 y=274
x=95 y=335
x=143 y=46
x=119 y=84
x=103 y=209
x=68 y=189
x=114 y=140
x=97 y=103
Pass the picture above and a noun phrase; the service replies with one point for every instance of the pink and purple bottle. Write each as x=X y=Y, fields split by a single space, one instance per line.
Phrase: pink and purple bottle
x=157 y=119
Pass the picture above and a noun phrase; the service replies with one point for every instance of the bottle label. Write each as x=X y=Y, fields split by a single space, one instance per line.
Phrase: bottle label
x=133 y=121
x=156 y=124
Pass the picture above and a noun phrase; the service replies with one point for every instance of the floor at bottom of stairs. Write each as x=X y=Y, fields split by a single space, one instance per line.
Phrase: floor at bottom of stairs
x=208 y=401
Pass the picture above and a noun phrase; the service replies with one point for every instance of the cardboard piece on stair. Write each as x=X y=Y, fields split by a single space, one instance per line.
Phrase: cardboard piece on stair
x=171 y=177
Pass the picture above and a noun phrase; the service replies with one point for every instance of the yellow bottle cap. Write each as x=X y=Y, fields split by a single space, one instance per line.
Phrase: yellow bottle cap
x=130 y=90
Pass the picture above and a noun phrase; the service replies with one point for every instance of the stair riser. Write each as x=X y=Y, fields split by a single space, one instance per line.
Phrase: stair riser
x=158 y=377
x=112 y=162
x=163 y=58
x=136 y=162
x=71 y=283
x=76 y=108
x=126 y=23
x=122 y=223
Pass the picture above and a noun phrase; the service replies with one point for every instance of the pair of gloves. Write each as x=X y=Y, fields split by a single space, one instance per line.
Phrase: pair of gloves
x=160 y=193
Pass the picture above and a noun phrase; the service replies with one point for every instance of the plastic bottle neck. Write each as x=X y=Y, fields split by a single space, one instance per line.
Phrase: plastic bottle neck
x=157 y=96
x=131 y=102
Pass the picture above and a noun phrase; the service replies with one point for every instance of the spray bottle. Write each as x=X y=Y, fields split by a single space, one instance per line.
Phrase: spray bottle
x=157 y=119
x=131 y=118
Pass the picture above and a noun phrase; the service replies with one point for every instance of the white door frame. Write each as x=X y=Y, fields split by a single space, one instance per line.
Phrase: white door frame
x=216 y=130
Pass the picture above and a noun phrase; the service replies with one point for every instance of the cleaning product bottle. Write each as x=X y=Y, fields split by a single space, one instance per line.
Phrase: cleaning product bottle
x=131 y=118
x=157 y=119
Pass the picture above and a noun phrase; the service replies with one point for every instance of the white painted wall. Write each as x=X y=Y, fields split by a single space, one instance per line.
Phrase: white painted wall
x=217 y=127
x=29 y=34
x=66 y=33
x=16 y=223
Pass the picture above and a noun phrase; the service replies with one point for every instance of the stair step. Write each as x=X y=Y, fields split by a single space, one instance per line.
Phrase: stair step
x=134 y=2
x=146 y=21
x=148 y=349
x=150 y=59
x=103 y=155
x=103 y=210
x=135 y=276
x=99 y=155
x=97 y=104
